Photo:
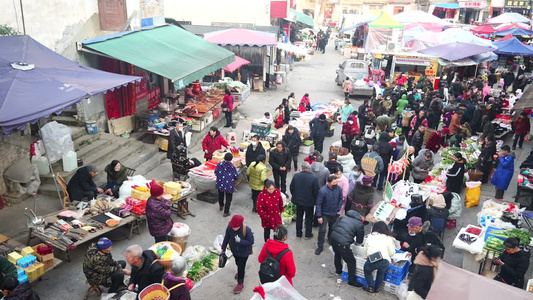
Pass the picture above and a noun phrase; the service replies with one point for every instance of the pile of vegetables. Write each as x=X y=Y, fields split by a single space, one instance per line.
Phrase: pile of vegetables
x=307 y=142
x=290 y=211
x=495 y=243
x=200 y=269
x=524 y=237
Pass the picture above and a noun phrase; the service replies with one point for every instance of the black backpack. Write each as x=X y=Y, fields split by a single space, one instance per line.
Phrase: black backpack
x=269 y=270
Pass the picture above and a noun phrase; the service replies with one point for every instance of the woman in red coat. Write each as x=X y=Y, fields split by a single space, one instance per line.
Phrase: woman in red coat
x=521 y=127
x=275 y=247
x=212 y=142
x=269 y=208
x=349 y=130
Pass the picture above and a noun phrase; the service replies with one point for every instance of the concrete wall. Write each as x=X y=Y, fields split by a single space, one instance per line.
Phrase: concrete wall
x=209 y=12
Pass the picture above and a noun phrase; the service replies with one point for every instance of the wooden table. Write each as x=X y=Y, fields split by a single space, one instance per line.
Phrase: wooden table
x=181 y=206
x=133 y=221
x=7 y=244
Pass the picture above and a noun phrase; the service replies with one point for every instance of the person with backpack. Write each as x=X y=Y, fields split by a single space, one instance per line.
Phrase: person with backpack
x=269 y=208
x=276 y=258
x=240 y=239
x=343 y=233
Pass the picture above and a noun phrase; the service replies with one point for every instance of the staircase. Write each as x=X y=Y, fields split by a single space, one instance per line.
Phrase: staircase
x=67 y=117
x=99 y=150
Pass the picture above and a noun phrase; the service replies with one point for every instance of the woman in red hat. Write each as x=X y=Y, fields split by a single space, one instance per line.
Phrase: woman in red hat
x=240 y=239
x=158 y=213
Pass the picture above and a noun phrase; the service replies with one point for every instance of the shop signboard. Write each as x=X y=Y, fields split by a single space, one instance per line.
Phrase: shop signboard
x=403 y=60
x=431 y=70
x=473 y=4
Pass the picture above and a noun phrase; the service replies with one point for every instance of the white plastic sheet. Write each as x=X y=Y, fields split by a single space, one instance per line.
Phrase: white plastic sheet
x=57 y=140
x=279 y=289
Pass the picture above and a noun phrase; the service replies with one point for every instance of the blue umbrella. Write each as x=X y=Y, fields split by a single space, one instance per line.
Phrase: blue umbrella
x=513 y=47
x=515 y=31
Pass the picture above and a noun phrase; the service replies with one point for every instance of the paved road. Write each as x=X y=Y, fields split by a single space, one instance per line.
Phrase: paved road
x=315 y=278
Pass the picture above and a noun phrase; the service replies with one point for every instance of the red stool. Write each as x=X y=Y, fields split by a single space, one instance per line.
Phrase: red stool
x=451 y=224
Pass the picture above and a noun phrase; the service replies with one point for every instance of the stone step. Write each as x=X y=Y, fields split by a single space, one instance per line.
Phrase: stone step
x=163 y=172
x=97 y=153
x=69 y=112
x=67 y=120
x=49 y=189
x=77 y=132
x=152 y=163
x=87 y=139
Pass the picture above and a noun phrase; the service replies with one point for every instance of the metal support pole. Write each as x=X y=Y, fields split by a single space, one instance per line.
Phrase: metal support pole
x=50 y=164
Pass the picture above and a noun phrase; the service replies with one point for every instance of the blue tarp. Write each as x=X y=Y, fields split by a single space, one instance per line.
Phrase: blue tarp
x=53 y=83
x=512 y=47
x=514 y=31
x=355 y=26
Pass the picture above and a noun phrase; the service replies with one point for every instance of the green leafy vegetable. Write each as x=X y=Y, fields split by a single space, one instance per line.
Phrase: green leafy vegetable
x=522 y=235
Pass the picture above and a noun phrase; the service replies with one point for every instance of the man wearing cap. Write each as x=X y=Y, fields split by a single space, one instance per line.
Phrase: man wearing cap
x=100 y=268
x=319 y=128
x=420 y=236
x=304 y=190
x=328 y=206
x=158 y=213
x=240 y=239
x=82 y=185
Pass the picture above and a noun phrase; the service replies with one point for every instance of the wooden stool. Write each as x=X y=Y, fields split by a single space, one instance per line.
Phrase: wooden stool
x=93 y=288
x=231 y=137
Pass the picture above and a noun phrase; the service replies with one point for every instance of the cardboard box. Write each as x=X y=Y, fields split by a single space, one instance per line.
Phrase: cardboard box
x=140 y=195
x=13 y=257
x=218 y=156
x=237 y=163
x=47 y=260
x=27 y=251
x=172 y=188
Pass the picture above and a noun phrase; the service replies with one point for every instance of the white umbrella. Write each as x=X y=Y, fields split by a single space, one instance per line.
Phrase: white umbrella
x=509 y=18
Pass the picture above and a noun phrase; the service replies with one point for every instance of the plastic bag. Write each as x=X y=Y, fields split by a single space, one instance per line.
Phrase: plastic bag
x=57 y=140
x=222 y=260
x=473 y=193
x=180 y=230
x=279 y=289
x=194 y=253
x=401 y=292
x=218 y=243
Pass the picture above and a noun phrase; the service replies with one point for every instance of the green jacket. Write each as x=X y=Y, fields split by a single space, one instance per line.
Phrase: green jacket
x=258 y=175
x=118 y=177
x=98 y=268
x=402 y=103
x=7 y=268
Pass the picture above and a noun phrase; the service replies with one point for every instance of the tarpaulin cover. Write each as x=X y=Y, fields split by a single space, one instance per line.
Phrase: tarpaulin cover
x=503 y=27
x=303 y=18
x=418 y=16
x=515 y=31
x=483 y=29
x=292 y=48
x=452 y=35
x=456 y=51
x=411 y=33
x=509 y=17
x=455 y=283
x=355 y=25
x=504 y=38
x=239 y=62
x=54 y=83
x=513 y=47
x=241 y=37
x=166 y=50
x=385 y=21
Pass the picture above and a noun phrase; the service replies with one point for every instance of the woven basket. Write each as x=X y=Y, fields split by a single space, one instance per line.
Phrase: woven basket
x=168 y=262
x=180 y=240
x=474 y=175
x=155 y=291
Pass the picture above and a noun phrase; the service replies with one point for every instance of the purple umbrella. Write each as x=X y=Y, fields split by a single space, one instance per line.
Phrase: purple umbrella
x=36 y=82
x=456 y=51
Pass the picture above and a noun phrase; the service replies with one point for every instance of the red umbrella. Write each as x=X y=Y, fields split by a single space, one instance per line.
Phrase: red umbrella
x=239 y=62
x=509 y=36
x=483 y=29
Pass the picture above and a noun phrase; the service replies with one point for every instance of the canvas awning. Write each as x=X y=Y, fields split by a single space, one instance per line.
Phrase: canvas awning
x=36 y=82
x=456 y=51
x=355 y=26
x=508 y=17
x=303 y=18
x=513 y=46
x=448 y=5
x=166 y=50
x=483 y=29
x=241 y=37
x=514 y=31
x=292 y=48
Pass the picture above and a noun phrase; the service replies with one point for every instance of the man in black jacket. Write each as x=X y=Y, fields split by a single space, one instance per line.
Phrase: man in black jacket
x=144 y=269
x=361 y=113
x=280 y=160
x=345 y=230
x=254 y=150
x=385 y=151
x=304 y=190
x=358 y=148
x=293 y=140
x=319 y=128
x=81 y=185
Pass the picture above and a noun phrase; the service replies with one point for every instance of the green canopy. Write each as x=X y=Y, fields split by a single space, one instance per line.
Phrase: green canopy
x=303 y=18
x=166 y=50
x=385 y=21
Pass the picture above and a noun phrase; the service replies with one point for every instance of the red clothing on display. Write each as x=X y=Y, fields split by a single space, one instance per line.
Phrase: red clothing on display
x=286 y=263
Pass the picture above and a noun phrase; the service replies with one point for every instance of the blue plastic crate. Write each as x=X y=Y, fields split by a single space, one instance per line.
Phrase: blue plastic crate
x=361 y=280
x=488 y=234
x=394 y=270
x=394 y=279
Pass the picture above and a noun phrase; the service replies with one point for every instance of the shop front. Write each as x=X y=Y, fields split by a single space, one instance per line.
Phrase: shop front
x=521 y=7
x=472 y=11
x=496 y=8
x=446 y=10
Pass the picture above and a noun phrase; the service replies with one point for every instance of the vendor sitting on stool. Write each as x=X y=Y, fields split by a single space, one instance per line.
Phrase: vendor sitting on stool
x=116 y=175
x=81 y=185
x=100 y=268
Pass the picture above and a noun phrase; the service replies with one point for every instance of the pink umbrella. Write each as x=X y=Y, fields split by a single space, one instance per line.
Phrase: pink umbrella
x=239 y=62
x=483 y=29
x=511 y=26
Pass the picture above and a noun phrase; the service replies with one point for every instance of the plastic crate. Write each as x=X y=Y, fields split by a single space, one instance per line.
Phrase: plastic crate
x=395 y=279
x=394 y=270
x=391 y=288
x=488 y=234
